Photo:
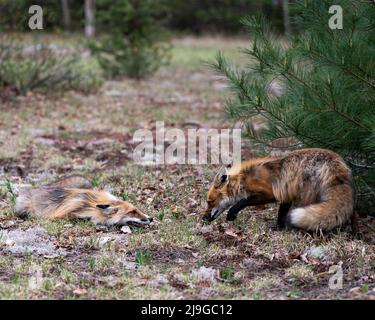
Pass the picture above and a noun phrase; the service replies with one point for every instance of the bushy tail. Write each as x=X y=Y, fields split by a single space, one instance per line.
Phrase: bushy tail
x=30 y=199
x=334 y=210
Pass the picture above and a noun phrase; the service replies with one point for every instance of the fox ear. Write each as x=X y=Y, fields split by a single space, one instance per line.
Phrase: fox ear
x=221 y=177
x=107 y=208
x=273 y=165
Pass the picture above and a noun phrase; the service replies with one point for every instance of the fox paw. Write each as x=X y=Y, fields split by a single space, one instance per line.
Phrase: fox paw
x=231 y=217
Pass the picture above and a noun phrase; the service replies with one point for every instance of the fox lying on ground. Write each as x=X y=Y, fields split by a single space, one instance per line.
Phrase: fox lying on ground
x=313 y=187
x=71 y=198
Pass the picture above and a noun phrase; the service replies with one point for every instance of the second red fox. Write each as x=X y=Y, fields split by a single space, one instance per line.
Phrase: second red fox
x=313 y=187
x=70 y=198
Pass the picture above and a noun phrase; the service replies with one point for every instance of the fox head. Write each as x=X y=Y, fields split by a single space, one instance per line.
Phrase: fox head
x=122 y=213
x=221 y=194
x=230 y=186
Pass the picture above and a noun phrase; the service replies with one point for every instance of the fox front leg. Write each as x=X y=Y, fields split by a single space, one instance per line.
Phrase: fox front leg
x=233 y=211
x=282 y=214
x=253 y=200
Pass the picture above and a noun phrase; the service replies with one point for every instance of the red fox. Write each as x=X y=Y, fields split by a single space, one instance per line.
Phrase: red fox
x=313 y=187
x=71 y=198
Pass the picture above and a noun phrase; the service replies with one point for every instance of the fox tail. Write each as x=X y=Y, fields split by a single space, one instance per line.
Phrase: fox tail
x=334 y=210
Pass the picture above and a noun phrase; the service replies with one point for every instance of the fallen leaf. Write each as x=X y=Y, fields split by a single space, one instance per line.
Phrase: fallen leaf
x=355 y=291
x=80 y=291
x=7 y=224
x=304 y=257
x=231 y=232
x=51 y=256
x=142 y=282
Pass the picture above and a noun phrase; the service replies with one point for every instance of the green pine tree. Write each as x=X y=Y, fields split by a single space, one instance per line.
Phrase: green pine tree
x=327 y=80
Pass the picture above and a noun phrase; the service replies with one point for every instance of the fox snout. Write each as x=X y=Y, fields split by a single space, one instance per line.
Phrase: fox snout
x=206 y=217
x=207 y=213
x=210 y=214
x=123 y=213
x=135 y=217
x=147 y=220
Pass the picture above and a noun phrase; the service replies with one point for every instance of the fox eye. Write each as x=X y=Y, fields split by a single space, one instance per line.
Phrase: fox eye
x=223 y=178
x=103 y=206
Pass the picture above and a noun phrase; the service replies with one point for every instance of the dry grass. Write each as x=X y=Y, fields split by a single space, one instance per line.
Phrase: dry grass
x=91 y=135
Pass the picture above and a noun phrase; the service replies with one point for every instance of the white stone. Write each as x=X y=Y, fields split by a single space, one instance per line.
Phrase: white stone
x=126 y=230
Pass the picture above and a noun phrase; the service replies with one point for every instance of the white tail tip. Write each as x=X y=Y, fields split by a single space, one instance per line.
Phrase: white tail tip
x=297 y=216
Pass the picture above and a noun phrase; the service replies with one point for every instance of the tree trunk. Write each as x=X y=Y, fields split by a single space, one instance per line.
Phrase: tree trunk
x=286 y=17
x=90 y=18
x=66 y=14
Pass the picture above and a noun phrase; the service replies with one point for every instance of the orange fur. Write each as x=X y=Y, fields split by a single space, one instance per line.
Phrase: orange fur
x=315 y=182
x=57 y=202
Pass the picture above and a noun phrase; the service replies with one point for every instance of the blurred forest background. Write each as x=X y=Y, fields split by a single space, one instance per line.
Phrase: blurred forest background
x=191 y=16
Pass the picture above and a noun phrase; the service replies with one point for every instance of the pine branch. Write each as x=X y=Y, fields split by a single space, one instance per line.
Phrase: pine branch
x=341 y=66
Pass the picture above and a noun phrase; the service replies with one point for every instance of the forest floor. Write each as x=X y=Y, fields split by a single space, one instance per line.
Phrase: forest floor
x=47 y=136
